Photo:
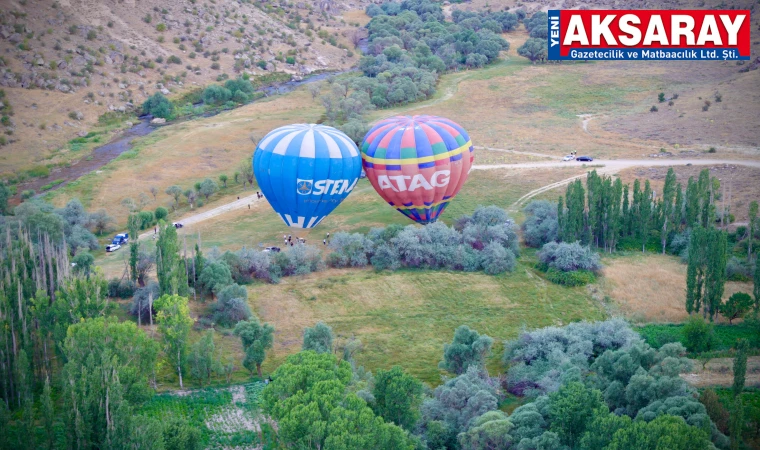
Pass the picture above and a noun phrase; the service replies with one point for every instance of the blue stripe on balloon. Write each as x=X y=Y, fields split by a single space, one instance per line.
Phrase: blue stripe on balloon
x=393 y=167
x=394 y=146
x=422 y=143
x=426 y=165
x=451 y=142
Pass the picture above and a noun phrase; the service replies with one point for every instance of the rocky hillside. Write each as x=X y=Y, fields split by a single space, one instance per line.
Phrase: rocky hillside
x=65 y=63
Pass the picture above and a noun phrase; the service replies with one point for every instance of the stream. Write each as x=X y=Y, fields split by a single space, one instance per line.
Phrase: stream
x=106 y=153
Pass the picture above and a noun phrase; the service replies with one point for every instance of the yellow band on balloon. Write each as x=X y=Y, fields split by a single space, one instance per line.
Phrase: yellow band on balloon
x=424 y=159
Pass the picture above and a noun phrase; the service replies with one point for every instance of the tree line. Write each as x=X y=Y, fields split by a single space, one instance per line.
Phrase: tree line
x=609 y=215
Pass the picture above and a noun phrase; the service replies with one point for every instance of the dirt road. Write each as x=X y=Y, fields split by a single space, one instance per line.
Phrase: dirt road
x=219 y=210
x=607 y=167
x=601 y=166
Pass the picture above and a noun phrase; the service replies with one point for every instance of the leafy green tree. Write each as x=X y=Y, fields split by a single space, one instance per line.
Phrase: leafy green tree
x=572 y=409
x=467 y=349
x=740 y=367
x=175 y=192
x=736 y=306
x=178 y=434
x=715 y=409
x=489 y=431
x=667 y=206
x=698 y=334
x=160 y=213
x=256 y=338
x=208 y=187
x=170 y=269
x=101 y=221
x=223 y=178
x=398 y=397
x=318 y=338
x=133 y=225
x=308 y=399
x=174 y=322
x=215 y=277
x=736 y=422
x=756 y=283
x=534 y=49
x=107 y=364
x=202 y=362
x=706 y=270
x=158 y=106
x=83 y=263
x=664 y=432
x=48 y=415
x=753 y=210
x=5 y=194
x=601 y=428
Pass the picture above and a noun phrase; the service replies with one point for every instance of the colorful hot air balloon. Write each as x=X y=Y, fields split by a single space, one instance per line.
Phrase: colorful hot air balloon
x=305 y=171
x=417 y=164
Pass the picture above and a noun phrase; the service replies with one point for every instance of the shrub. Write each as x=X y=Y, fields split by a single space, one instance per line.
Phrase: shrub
x=216 y=95
x=540 y=225
x=661 y=97
x=736 y=306
x=535 y=356
x=142 y=300
x=158 y=106
x=92 y=35
x=349 y=250
x=495 y=259
x=467 y=349
x=161 y=213
x=161 y=27
x=570 y=279
x=569 y=257
x=653 y=109
x=698 y=335
x=120 y=288
x=232 y=305
x=173 y=60
x=738 y=270
x=319 y=338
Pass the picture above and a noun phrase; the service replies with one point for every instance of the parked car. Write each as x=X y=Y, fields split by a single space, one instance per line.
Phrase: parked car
x=177 y=225
x=272 y=249
x=568 y=158
x=112 y=247
x=120 y=239
x=584 y=158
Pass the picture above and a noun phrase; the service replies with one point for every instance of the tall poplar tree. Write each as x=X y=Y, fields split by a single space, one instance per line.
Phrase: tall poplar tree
x=645 y=214
x=133 y=227
x=753 y=209
x=715 y=275
x=667 y=207
x=173 y=317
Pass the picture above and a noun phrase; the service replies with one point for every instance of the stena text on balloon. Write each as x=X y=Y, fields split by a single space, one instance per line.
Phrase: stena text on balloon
x=305 y=171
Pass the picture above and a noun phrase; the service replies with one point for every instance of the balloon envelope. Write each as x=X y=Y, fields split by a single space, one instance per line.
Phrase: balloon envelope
x=417 y=163
x=305 y=171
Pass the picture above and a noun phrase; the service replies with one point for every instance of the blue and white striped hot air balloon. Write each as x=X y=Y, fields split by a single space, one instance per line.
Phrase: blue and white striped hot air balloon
x=305 y=171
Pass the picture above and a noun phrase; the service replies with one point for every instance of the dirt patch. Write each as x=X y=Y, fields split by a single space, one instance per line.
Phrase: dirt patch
x=662 y=297
x=720 y=372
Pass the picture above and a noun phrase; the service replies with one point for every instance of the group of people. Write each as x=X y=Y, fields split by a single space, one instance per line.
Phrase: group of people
x=289 y=240
x=258 y=196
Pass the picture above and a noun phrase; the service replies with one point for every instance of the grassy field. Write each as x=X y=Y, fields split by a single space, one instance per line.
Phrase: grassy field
x=406 y=317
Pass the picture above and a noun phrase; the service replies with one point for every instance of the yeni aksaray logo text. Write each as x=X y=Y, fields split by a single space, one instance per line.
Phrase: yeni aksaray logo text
x=649 y=34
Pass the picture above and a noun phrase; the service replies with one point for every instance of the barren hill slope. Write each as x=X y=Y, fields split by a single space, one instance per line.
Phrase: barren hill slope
x=67 y=62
